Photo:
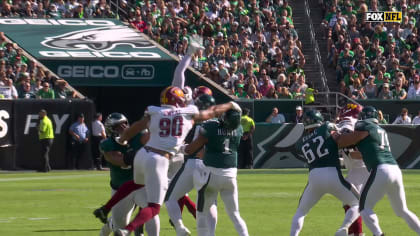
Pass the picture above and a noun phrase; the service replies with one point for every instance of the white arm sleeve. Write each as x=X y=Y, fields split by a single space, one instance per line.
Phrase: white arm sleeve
x=179 y=76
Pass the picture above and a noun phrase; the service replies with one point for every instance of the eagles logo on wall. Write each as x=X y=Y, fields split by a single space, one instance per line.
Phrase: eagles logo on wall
x=98 y=39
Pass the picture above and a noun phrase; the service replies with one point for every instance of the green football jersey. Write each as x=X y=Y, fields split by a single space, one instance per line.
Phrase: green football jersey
x=375 y=148
x=120 y=175
x=222 y=145
x=319 y=148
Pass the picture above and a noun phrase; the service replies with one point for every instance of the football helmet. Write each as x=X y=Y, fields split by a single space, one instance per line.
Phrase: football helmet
x=112 y=122
x=368 y=112
x=231 y=119
x=312 y=119
x=350 y=110
x=204 y=101
x=173 y=96
x=200 y=90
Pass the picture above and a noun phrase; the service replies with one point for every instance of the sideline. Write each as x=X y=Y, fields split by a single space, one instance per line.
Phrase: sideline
x=52 y=177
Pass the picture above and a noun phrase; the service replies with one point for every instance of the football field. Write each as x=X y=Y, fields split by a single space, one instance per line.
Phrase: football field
x=61 y=203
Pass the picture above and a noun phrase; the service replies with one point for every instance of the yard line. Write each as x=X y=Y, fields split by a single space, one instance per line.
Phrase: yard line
x=50 y=177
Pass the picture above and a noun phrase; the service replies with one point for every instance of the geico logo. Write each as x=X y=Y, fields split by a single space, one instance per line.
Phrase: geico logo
x=88 y=71
x=4 y=115
x=87 y=54
x=55 y=22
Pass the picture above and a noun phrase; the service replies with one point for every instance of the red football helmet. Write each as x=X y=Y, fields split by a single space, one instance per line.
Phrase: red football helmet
x=200 y=90
x=350 y=110
x=172 y=96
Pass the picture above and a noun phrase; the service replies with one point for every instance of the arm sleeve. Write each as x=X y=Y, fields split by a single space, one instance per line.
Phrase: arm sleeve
x=179 y=75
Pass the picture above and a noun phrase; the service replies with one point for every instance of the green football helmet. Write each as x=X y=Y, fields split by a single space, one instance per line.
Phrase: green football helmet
x=312 y=119
x=231 y=119
x=113 y=122
x=368 y=112
x=204 y=101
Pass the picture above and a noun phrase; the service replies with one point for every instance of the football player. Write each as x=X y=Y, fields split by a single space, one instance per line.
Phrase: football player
x=183 y=181
x=120 y=159
x=385 y=175
x=168 y=125
x=321 y=152
x=357 y=173
x=221 y=139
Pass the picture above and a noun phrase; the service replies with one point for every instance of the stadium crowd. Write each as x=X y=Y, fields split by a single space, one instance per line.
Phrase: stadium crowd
x=252 y=48
x=21 y=77
x=374 y=60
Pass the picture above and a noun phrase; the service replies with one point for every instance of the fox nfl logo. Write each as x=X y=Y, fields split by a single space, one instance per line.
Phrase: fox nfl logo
x=384 y=16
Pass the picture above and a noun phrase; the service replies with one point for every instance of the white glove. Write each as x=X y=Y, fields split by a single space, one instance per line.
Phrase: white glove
x=236 y=107
x=188 y=94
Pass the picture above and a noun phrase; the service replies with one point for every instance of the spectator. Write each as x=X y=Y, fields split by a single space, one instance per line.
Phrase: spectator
x=381 y=118
x=414 y=90
x=297 y=118
x=27 y=91
x=240 y=93
x=245 y=154
x=275 y=117
x=46 y=138
x=61 y=90
x=370 y=87
x=385 y=93
x=98 y=134
x=416 y=120
x=80 y=136
x=11 y=92
x=46 y=91
x=310 y=94
x=403 y=119
x=399 y=92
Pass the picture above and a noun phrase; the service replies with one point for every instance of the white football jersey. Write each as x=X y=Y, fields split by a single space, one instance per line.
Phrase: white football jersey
x=169 y=125
x=344 y=126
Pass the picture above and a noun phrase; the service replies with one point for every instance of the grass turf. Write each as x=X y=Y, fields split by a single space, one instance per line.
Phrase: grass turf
x=61 y=203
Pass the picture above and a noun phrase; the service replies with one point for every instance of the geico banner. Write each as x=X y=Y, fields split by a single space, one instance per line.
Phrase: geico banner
x=274 y=145
x=82 y=41
x=6 y=122
x=62 y=113
x=114 y=73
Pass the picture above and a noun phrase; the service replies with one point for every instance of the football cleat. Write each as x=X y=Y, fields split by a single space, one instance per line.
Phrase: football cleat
x=182 y=231
x=341 y=232
x=121 y=232
x=101 y=214
x=173 y=96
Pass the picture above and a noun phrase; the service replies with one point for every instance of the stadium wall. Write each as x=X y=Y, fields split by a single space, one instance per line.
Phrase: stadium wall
x=19 y=145
x=274 y=145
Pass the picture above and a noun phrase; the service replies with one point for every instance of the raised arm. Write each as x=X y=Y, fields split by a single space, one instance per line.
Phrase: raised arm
x=215 y=111
x=134 y=129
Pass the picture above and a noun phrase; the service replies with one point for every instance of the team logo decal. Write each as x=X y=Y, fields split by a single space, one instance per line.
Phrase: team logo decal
x=98 y=39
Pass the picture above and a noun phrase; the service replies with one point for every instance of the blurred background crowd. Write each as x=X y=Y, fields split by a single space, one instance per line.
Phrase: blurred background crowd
x=252 y=48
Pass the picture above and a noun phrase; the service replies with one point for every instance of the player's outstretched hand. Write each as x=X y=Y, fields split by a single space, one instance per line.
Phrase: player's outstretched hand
x=235 y=106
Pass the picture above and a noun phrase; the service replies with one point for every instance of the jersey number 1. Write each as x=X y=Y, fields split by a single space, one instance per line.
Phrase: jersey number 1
x=170 y=127
x=309 y=154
